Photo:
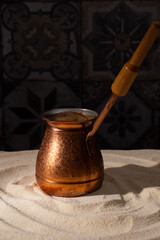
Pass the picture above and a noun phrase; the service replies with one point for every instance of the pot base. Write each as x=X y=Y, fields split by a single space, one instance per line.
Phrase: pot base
x=69 y=189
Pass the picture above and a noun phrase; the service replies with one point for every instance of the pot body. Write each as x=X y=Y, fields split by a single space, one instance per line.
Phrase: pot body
x=66 y=165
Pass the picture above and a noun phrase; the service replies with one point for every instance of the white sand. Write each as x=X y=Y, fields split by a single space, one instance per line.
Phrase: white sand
x=127 y=207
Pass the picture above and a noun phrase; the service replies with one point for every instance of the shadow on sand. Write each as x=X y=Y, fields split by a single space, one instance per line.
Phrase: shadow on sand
x=129 y=178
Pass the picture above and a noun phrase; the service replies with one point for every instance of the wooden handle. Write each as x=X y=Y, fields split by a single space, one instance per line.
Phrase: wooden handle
x=145 y=45
x=102 y=115
x=129 y=72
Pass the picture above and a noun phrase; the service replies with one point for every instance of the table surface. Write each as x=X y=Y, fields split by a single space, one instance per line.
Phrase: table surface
x=126 y=207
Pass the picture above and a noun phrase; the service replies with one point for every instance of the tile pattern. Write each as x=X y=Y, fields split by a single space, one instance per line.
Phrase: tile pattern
x=40 y=58
x=30 y=100
x=111 y=32
x=40 y=40
x=67 y=54
x=127 y=121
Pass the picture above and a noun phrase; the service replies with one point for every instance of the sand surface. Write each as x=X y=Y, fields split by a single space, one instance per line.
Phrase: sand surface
x=127 y=207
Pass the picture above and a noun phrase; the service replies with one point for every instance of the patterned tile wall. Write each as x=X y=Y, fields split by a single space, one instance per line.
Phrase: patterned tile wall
x=41 y=49
x=67 y=54
x=111 y=31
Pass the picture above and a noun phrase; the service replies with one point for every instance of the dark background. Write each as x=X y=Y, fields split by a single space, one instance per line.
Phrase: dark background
x=67 y=54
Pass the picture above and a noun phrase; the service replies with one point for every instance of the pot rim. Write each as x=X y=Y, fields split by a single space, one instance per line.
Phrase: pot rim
x=51 y=112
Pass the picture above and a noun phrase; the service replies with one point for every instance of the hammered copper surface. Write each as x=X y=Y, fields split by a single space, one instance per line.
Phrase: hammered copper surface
x=66 y=165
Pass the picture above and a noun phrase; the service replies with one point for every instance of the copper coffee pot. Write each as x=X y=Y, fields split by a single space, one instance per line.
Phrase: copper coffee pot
x=69 y=162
